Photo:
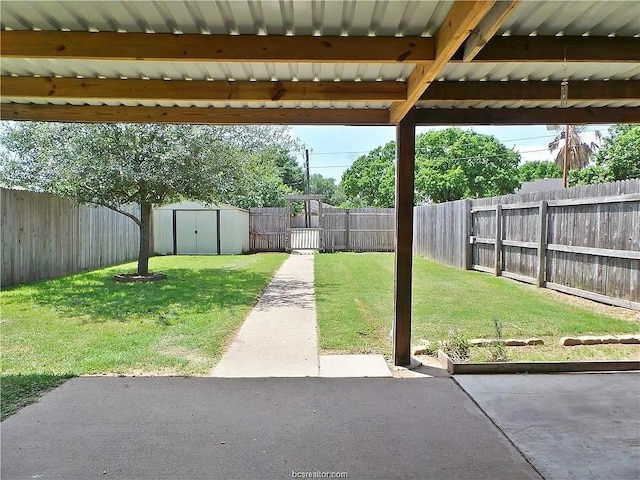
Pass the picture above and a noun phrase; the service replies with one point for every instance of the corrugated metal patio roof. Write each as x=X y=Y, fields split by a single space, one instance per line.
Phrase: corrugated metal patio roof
x=355 y=18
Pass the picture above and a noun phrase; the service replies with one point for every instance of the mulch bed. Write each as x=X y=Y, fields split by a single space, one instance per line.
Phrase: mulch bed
x=135 y=278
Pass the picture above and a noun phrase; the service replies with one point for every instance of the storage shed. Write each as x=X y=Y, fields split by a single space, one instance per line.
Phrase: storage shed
x=192 y=228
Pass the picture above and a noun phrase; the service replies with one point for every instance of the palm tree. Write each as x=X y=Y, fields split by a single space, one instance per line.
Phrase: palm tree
x=579 y=149
x=575 y=152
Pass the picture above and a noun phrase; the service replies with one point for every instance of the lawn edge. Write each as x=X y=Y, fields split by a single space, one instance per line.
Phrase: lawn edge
x=32 y=397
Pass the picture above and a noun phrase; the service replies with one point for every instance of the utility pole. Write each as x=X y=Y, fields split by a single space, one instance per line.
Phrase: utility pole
x=307 y=203
x=565 y=166
x=306 y=166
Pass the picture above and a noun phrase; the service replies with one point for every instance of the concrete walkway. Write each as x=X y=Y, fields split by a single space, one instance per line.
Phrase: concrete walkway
x=278 y=338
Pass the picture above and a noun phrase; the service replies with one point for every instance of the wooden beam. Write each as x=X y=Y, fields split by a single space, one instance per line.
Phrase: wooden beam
x=197 y=90
x=527 y=116
x=487 y=28
x=180 y=90
x=197 y=115
x=556 y=49
x=596 y=90
x=461 y=19
x=275 y=48
x=48 y=87
x=405 y=167
x=214 y=48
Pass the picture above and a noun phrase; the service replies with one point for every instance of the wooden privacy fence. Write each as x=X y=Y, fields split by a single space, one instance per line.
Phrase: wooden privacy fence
x=584 y=241
x=338 y=229
x=44 y=236
x=359 y=229
x=268 y=229
x=441 y=231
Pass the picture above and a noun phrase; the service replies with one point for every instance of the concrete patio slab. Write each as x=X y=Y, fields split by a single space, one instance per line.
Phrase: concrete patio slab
x=353 y=366
x=278 y=338
x=570 y=426
x=261 y=428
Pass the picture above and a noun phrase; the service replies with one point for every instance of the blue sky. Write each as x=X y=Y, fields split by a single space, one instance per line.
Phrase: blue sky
x=335 y=148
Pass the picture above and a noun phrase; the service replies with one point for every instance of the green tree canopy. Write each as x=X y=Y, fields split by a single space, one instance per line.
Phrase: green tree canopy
x=370 y=181
x=620 y=154
x=450 y=164
x=117 y=164
x=617 y=159
x=333 y=194
x=288 y=168
x=538 y=169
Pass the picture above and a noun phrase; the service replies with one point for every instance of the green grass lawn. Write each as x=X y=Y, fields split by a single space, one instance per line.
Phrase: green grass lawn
x=89 y=324
x=355 y=309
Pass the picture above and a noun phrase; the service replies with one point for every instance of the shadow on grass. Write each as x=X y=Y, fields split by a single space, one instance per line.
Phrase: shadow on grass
x=17 y=391
x=96 y=297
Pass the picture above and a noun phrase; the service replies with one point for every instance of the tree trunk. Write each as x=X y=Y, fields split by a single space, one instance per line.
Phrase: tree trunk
x=145 y=235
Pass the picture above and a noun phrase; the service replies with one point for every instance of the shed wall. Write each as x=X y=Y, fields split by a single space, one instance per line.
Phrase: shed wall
x=163 y=231
x=234 y=232
x=234 y=228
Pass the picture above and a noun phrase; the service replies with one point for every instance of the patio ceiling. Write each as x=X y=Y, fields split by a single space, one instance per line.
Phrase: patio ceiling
x=321 y=62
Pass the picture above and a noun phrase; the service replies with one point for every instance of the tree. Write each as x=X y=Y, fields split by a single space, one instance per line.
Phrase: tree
x=452 y=164
x=620 y=154
x=288 y=168
x=617 y=159
x=537 y=169
x=333 y=194
x=117 y=164
x=262 y=183
x=587 y=176
x=370 y=181
x=579 y=150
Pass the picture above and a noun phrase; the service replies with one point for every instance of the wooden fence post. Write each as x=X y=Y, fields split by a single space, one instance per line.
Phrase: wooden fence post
x=320 y=228
x=346 y=220
x=498 y=245
x=468 y=231
x=542 y=245
x=288 y=228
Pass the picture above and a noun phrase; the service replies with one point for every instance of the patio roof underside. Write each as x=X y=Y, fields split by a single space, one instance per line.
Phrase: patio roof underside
x=321 y=62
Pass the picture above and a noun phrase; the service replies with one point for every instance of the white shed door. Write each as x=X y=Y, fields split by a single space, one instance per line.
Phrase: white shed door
x=196 y=232
x=207 y=237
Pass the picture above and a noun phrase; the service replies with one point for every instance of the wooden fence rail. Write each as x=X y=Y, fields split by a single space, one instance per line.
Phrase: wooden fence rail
x=584 y=241
x=45 y=236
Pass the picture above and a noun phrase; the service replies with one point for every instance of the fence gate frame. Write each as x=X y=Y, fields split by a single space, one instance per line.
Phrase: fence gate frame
x=307 y=199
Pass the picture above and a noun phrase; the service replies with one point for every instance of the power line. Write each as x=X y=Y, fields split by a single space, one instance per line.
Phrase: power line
x=497 y=155
x=501 y=141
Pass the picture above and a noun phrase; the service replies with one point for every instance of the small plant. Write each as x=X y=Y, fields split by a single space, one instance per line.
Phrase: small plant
x=456 y=345
x=497 y=349
x=431 y=348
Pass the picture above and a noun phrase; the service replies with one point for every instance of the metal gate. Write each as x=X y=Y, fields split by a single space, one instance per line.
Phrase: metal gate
x=304 y=239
